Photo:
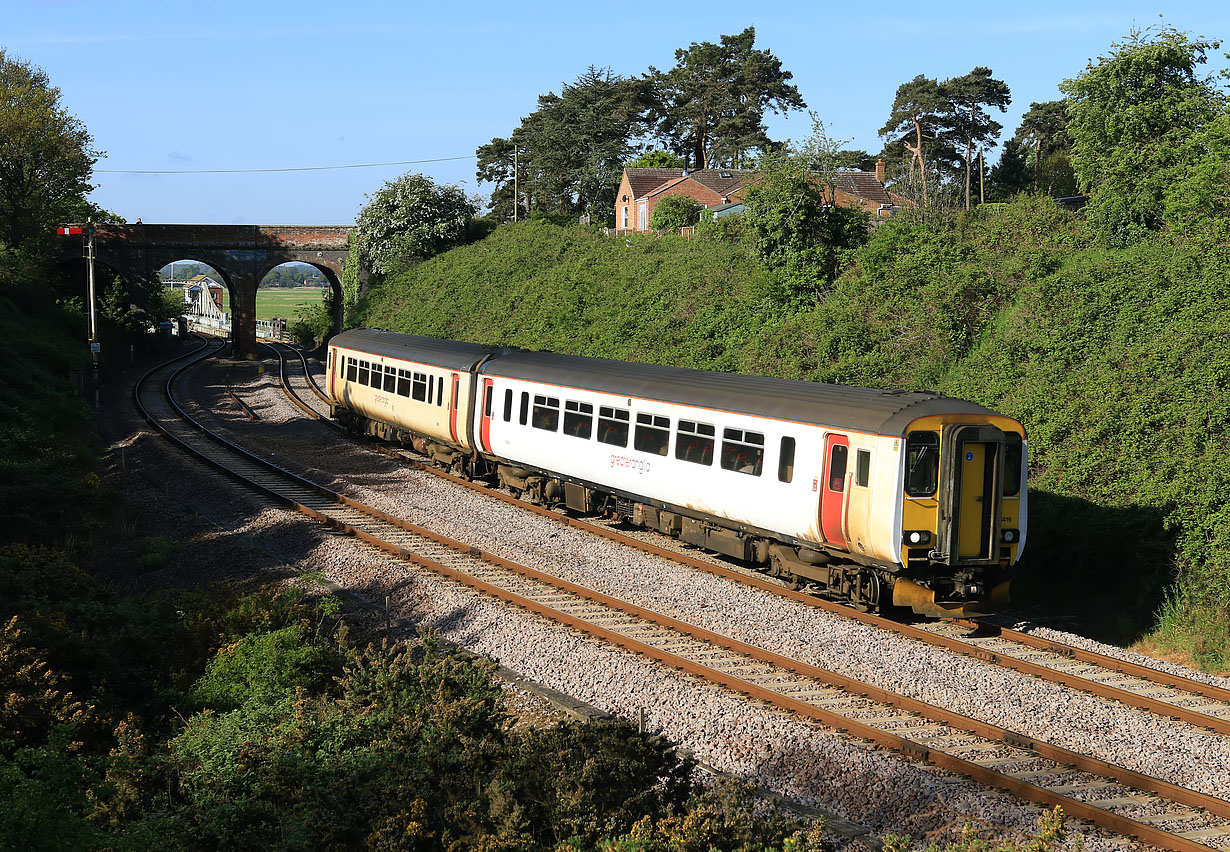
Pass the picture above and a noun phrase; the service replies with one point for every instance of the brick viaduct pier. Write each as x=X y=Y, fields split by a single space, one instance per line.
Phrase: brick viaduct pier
x=241 y=254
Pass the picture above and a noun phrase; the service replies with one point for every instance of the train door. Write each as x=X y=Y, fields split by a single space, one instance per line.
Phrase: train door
x=833 y=493
x=485 y=429
x=976 y=502
x=452 y=407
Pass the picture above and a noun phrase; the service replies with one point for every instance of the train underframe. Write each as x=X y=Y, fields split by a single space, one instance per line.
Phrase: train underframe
x=933 y=590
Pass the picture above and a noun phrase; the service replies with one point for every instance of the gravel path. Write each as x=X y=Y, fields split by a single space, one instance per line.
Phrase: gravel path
x=878 y=789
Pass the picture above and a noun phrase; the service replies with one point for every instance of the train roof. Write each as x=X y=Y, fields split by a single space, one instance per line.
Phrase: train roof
x=883 y=412
x=449 y=354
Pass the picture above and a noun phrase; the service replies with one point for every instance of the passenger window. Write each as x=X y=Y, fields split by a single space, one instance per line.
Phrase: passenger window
x=403 y=382
x=862 y=469
x=785 y=461
x=613 y=426
x=440 y=392
x=508 y=396
x=489 y=393
x=431 y=386
x=1013 y=448
x=352 y=370
x=922 y=463
x=653 y=434
x=390 y=379
x=421 y=381
x=837 y=467
x=546 y=413
x=525 y=408
x=694 y=442
x=578 y=419
x=742 y=451
x=363 y=372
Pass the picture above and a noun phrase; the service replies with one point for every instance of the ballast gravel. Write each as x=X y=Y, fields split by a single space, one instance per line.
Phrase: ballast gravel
x=881 y=790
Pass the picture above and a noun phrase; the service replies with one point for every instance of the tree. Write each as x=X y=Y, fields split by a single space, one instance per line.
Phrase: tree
x=569 y=153
x=411 y=218
x=710 y=106
x=1133 y=116
x=1011 y=174
x=969 y=97
x=46 y=155
x=916 y=124
x=657 y=160
x=1045 y=130
x=675 y=212
x=799 y=233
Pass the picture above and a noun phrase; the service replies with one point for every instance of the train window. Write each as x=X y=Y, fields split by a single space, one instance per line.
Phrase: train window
x=546 y=413
x=431 y=386
x=390 y=379
x=578 y=419
x=1012 y=464
x=403 y=382
x=440 y=392
x=525 y=408
x=862 y=468
x=694 y=442
x=363 y=372
x=653 y=434
x=742 y=451
x=489 y=392
x=613 y=426
x=922 y=463
x=785 y=460
x=352 y=369
x=508 y=396
x=421 y=381
x=837 y=467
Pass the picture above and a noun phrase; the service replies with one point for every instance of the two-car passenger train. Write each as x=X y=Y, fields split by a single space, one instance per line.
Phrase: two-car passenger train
x=908 y=499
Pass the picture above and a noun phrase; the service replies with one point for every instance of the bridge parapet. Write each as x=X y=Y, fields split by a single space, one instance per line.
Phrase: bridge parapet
x=242 y=254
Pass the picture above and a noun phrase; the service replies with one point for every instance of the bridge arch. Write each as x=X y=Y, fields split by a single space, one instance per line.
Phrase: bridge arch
x=241 y=254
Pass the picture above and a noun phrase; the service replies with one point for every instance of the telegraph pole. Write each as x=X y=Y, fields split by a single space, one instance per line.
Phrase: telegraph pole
x=95 y=346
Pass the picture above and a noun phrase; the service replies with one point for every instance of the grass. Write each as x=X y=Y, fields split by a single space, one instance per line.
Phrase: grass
x=280 y=301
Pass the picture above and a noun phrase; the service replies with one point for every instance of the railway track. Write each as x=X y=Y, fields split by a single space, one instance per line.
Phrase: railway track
x=1127 y=802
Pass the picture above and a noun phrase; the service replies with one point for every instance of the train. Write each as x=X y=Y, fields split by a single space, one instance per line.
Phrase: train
x=885 y=499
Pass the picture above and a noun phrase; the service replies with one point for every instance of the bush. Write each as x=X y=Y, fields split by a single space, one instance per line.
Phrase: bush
x=674 y=212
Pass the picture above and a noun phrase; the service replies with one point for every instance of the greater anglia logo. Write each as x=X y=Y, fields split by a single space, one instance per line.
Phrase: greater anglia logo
x=638 y=465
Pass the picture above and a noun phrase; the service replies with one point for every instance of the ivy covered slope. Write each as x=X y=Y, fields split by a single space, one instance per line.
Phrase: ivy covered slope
x=1114 y=359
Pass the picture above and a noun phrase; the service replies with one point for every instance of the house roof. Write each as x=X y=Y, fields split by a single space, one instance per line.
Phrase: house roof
x=720 y=181
x=862 y=184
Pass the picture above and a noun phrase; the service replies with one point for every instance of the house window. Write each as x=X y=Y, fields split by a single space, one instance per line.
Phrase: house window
x=642 y=216
x=624 y=217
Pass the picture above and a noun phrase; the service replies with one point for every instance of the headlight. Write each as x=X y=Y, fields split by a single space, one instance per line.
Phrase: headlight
x=916 y=538
x=1010 y=536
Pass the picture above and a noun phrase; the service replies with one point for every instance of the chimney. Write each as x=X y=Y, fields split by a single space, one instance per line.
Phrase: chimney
x=880 y=170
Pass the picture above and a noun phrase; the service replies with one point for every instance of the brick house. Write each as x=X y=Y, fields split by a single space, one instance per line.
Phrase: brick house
x=641 y=189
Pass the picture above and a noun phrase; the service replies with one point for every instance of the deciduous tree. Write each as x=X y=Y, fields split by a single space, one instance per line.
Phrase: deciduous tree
x=46 y=155
x=411 y=218
x=1133 y=116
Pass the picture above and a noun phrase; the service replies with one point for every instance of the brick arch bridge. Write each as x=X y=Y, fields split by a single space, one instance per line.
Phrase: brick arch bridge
x=241 y=254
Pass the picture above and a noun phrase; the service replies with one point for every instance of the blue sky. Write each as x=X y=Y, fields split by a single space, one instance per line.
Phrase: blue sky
x=221 y=84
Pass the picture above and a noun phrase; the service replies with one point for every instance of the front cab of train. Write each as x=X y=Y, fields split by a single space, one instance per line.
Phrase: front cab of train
x=963 y=513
